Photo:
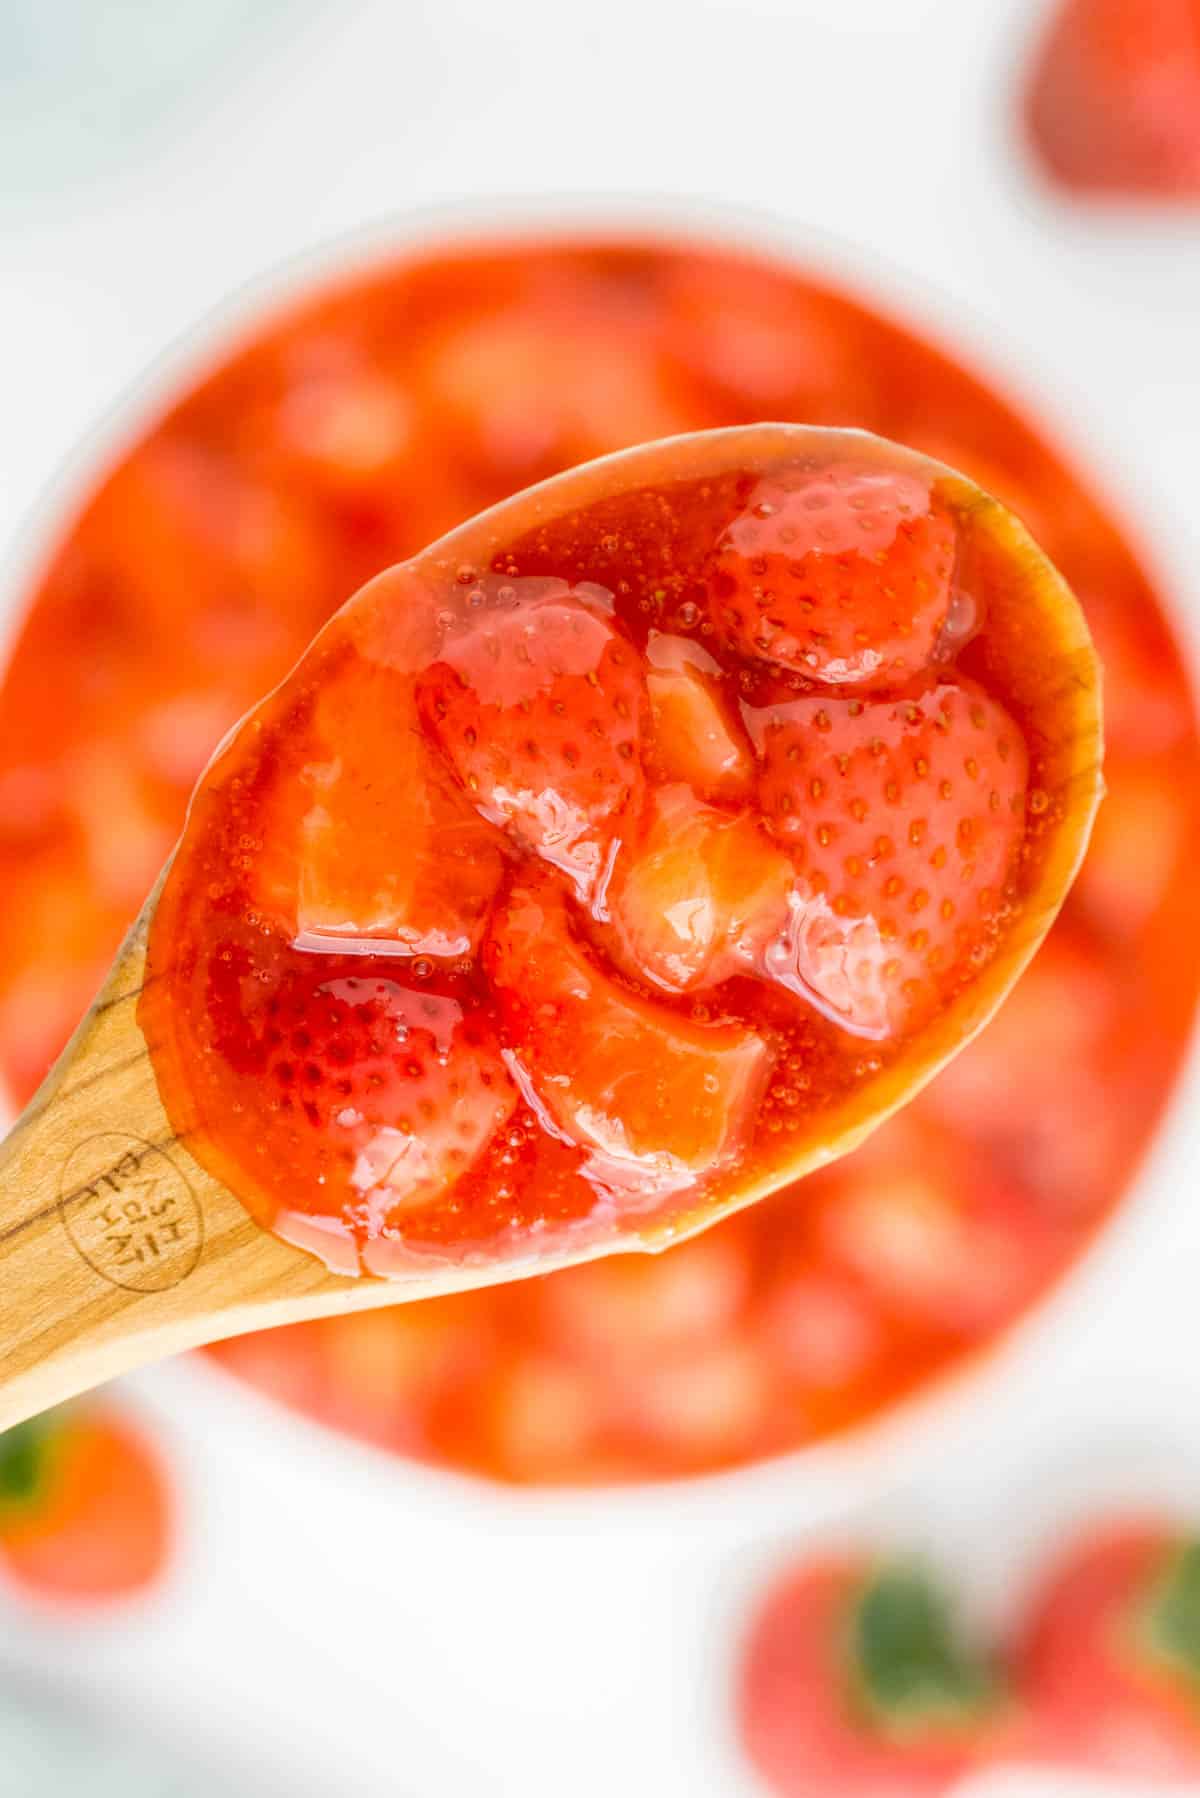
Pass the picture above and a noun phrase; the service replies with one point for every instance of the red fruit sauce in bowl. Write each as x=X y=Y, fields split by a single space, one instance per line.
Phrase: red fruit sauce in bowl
x=341 y=433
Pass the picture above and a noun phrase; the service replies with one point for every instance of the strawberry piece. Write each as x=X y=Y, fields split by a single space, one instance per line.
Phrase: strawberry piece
x=540 y=708
x=695 y=735
x=931 y=1234
x=629 y=1310
x=700 y=898
x=903 y=819
x=1113 y=104
x=375 y=849
x=539 y=1420
x=1136 y=850
x=844 y=574
x=703 y=1409
x=656 y=1100
x=523 y=391
x=1058 y=1033
x=384 y=1094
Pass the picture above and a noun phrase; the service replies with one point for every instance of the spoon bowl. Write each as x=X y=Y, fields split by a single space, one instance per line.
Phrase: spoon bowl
x=127 y=1233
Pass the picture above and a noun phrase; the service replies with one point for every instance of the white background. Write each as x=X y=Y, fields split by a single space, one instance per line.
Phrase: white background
x=339 y=1623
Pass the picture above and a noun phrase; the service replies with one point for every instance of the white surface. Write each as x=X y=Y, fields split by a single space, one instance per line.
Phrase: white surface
x=367 y=1629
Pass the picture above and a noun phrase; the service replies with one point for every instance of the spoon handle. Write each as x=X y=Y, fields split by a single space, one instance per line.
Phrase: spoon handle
x=115 y=1246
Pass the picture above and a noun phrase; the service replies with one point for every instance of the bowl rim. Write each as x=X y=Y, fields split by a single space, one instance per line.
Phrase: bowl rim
x=828 y=1478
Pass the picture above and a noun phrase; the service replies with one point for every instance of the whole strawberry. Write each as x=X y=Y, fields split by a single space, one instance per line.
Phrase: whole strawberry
x=855 y=1681
x=1114 y=100
x=1111 y=1654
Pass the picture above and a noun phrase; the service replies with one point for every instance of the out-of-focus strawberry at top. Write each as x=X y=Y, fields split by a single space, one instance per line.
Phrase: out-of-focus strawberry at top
x=1112 y=105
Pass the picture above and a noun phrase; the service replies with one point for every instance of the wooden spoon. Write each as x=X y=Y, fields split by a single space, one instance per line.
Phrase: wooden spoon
x=118 y=1246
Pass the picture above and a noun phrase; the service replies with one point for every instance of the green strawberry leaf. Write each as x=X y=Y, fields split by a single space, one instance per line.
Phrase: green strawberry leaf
x=26 y=1453
x=910 y=1671
x=1173 y=1616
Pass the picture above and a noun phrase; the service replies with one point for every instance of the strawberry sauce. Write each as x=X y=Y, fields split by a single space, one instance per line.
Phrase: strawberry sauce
x=626 y=850
x=365 y=418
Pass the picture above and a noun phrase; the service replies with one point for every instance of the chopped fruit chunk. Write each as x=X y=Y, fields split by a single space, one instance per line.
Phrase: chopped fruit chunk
x=904 y=820
x=843 y=573
x=390 y=1089
x=342 y=425
x=855 y=1680
x=541 y=1418
x=531 y=389
x=695 y=736
x=656 y=1100
x=707 y=1405
x=700 y=897
x=373 y=849
x=1137 y=843
x=821 y=1329
x=1055 y=1034
x=1110 y=1656
x=929 y=1237
x=1114 y=103
x=539 y=706
x=629 y=1307
x=85 y=1508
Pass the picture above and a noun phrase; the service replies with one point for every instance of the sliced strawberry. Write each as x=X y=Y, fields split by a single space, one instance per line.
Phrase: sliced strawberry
x=540 y=708
x=695 y=734
x=903 y=819
x=1114 y=100
x=843 y=573
x=657 y=1100
x=379 y=1096
x=700 y=896
x=390 y=856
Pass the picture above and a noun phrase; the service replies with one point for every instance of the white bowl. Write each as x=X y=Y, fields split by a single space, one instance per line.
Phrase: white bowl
x=1150 y=1245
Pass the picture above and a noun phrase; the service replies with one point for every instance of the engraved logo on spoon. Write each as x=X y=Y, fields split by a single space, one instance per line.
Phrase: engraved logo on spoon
x=130 y=1212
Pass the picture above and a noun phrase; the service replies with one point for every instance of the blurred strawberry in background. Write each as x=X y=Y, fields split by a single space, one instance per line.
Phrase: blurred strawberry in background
x=1110 y=1657
x=85 y=1506
x=854 y=1677
x=855 y=1680
x=1113 y=103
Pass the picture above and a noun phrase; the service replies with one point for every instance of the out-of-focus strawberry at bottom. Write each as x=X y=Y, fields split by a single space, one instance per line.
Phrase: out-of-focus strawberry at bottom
x=86 y=1507
x=343 y=435
x=857 y=1675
